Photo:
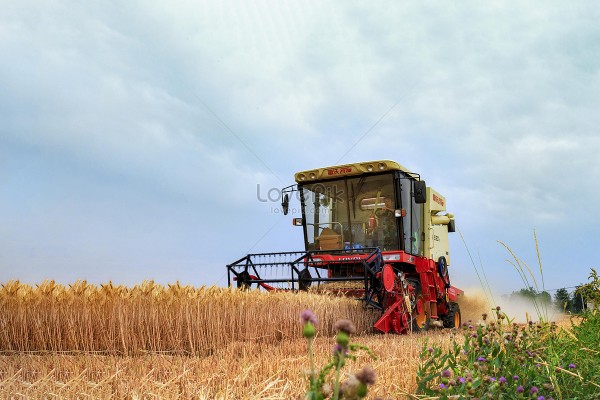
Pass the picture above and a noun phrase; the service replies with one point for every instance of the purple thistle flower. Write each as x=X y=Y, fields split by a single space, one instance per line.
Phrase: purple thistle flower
x=481 y=359
x=541 y=398
x=345 y=325
x=533 y=390
x=337 y=349
x=308 y=316
x=461 y=379
x=572 y=366
x=520 y=389
x=516 y=377
x=442 y=386
x=445 y=373
x=502 y=380
x=366 y=375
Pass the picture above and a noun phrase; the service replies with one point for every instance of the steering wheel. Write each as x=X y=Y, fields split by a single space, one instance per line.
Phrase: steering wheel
x=382 y=212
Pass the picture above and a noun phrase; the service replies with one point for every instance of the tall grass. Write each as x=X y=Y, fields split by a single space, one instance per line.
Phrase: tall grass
x=499 y=359
x=173 y=319
x=525 y=272
x=485 y=286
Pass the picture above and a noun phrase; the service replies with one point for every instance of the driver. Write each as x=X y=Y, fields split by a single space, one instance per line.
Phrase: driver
x=388 y=204
x=386 y=222
x=389 y=225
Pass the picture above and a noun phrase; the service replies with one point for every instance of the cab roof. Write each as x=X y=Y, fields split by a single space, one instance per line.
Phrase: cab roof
x=336 y=171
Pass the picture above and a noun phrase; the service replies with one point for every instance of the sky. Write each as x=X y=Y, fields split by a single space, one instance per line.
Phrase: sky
x=143 y=140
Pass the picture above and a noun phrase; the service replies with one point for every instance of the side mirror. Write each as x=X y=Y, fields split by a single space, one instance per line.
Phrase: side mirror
x=297 y=221
x=420 y=189
x=285 y=204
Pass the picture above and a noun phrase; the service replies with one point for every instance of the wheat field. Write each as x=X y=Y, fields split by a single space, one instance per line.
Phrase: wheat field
x=174 y=341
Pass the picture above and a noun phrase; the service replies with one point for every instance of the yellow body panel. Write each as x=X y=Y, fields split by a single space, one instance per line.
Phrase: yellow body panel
x=435 y=226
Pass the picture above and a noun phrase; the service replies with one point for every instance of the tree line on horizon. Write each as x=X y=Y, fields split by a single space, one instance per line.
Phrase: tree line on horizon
x=584 y=296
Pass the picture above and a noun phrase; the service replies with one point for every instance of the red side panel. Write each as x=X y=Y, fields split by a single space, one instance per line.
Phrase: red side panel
x=391 y=320
x=454 y=292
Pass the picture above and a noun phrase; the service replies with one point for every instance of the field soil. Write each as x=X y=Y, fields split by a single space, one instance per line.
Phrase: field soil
x=242 y=370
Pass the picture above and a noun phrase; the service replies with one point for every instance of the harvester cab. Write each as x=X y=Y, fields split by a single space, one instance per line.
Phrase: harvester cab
x=373 y=231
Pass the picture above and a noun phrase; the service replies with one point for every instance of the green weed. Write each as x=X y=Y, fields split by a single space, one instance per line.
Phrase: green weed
x=326 y=383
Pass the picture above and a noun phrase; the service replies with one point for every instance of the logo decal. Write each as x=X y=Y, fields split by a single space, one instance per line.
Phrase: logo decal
x=339 y=171
x=438 y=200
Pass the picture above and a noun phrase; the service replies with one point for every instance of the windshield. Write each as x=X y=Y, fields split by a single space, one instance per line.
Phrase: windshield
x=351 y=213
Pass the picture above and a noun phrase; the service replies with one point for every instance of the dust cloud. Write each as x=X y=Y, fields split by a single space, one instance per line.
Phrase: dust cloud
x=473 y=304
x=518 y=309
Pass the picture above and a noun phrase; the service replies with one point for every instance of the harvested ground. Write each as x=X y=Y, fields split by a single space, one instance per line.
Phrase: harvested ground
x=241 y=370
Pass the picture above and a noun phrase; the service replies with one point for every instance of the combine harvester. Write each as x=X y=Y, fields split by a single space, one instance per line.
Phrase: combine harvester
x=373 y=231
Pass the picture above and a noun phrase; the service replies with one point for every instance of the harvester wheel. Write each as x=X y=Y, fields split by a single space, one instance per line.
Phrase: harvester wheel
x=453 y=318
x=304 y=279
x=244 y=280
x=421 y=309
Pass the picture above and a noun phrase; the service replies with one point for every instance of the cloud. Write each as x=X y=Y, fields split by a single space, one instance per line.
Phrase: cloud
x=172 y=114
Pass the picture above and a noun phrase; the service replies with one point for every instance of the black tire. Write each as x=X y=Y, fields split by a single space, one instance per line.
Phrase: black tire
x=304 y=279
x=420 y=321
x=453 y=319
x=244 y=280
